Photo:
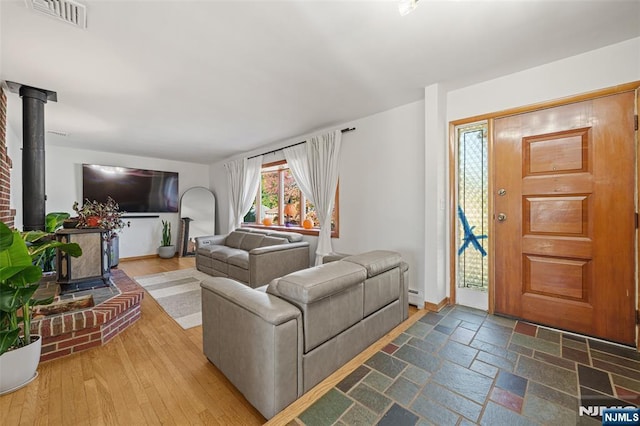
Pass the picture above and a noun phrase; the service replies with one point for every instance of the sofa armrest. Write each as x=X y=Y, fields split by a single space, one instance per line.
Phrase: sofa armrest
x=210 y=240
x=255 y=340
x=267 y=263
x=404 y=289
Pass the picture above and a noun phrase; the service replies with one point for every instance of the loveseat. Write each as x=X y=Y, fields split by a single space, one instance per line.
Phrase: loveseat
x=276 y=342
x=252 y=256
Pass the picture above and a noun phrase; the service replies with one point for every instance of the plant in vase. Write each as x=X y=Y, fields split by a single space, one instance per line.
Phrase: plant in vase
x=106 y=216
x=19 y=280
x=166 y=250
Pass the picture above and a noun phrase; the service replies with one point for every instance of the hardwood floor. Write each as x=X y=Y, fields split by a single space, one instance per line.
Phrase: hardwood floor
x=152 y=373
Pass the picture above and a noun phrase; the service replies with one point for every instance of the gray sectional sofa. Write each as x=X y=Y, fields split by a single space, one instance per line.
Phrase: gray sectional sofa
x=276 y=342
x=252 y=256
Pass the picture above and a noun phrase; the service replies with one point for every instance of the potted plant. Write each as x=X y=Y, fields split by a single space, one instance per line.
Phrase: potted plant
x=166 y=250
x=19 y=280
x=107 y=216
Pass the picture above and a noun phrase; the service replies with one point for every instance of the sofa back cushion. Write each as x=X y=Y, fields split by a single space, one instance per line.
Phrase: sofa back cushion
x=292 y=237
x=273 y=241
x=234 y=239
x=330 y=297
x=376 y=261
x=251 y=241
x=381 y=290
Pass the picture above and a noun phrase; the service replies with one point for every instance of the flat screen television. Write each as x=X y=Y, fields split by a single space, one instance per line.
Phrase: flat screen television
x=135 y=190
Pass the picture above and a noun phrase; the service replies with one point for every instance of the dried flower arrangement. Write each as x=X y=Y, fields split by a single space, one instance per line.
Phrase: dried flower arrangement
x=94 y=214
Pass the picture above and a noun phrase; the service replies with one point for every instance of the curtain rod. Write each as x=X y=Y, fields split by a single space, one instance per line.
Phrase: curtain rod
x=348 y=129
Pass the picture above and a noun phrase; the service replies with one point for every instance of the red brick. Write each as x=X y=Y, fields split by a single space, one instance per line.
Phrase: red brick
x=86 y=346
x=86 y=331
x=48 y=348
x=54 y=355
x=73 y=342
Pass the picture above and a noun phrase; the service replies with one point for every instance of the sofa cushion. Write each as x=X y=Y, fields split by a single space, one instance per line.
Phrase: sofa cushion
x=239 y=259
x=381 y=290
x=330 y=297
x=208 y=250
x=272 y=241
x=375 y=262
x=238 y=273
x=234 y=239
x=309 y=285
x=225 y=252
x=251 y=241
x=292 y=237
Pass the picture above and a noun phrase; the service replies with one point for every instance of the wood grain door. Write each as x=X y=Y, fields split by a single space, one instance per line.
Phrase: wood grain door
x=565 y=217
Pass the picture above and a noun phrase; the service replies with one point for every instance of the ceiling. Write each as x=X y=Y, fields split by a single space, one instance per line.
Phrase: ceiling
x=199 y=81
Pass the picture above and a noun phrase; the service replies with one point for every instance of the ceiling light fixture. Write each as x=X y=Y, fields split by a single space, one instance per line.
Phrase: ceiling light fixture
x=406 y=6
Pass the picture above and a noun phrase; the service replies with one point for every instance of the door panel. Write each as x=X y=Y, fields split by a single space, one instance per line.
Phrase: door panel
x=564 y=252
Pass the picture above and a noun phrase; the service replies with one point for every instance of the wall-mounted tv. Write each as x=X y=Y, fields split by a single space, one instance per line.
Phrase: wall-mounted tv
x=135 y=190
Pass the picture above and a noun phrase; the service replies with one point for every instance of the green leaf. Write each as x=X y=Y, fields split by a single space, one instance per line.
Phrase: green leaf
x=34 y=236
x=8 y=299
x=16 y=254
x=11 y=299
x=72 y=248
x=8 y=338
x=6 y=237
x=54 y=220
x=19 y=276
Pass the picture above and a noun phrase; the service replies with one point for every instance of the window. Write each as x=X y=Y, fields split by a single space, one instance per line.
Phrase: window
x=473 y=217
x=283 y=205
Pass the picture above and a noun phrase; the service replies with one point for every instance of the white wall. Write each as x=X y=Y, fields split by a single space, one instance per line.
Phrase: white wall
x=597 y=69
x=64 y=186
x=382 y=193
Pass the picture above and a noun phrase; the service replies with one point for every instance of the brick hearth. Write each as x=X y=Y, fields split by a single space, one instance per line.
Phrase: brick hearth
x=73 y=332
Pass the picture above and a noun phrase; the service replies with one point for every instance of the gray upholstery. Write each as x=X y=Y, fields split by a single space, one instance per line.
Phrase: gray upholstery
x=252 y=256
x=276 y=342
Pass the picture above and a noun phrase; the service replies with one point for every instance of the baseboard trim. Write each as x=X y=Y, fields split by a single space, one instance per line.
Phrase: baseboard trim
x=146 y=256
x=436 y=307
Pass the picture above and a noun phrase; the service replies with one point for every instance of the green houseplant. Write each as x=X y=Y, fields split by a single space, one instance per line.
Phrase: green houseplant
x=19 y=280
x=41 y=245
x=166 y=250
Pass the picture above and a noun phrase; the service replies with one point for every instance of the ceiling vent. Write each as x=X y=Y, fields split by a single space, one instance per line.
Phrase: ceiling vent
x=68 y=11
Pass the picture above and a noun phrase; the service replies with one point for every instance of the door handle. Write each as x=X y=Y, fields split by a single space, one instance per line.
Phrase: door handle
x=502 y=217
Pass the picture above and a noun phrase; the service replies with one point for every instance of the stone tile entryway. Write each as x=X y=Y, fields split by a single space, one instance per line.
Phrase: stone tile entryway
x=462 y=366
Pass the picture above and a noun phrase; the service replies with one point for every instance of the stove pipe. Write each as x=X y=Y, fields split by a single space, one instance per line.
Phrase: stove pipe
x=33 y=159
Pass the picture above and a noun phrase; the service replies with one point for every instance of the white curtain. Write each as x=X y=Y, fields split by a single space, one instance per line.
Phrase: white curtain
x=314 y=166
x=243 y=177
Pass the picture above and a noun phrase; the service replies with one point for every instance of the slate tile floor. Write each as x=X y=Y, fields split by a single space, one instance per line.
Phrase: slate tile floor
x=462 y=367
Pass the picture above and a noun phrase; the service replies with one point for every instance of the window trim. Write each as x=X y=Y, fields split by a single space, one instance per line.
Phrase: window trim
x=335 y=233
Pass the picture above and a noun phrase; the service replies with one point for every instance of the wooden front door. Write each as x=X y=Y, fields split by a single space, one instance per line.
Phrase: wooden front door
x=565 y=217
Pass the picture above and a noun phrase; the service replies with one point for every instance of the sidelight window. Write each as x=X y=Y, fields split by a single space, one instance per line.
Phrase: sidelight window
x=472 y=206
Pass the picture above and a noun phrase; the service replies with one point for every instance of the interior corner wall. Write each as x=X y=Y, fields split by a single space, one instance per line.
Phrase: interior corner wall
x=436 y=236
x=382 y=195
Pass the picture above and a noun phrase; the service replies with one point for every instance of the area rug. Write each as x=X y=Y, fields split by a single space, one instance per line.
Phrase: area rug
x=178 y=292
